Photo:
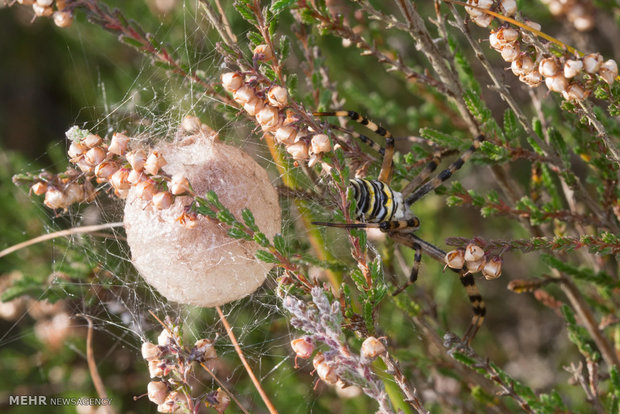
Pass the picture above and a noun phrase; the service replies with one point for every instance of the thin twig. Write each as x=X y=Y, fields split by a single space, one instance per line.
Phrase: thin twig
x=61 y=233
x=92 y=365
x=257 y=383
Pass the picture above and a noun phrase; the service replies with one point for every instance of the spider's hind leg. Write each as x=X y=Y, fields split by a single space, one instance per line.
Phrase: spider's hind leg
x=386 y=167
x=477 y=304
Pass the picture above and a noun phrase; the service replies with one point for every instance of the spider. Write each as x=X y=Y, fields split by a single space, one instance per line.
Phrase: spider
x=379 y=206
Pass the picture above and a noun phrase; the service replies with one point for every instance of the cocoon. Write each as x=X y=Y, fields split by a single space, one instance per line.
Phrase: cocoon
x=201 y=265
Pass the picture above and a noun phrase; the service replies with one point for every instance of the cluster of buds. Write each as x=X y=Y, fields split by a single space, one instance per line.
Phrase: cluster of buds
x=167 y=362
x=579 y=12
x=567 y=75
x=505 y=7
x=110 y=163
x=57 y=9
x=476 y=260
x=267 y=104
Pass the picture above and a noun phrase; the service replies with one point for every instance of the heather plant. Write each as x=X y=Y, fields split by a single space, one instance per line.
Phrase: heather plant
x=483 y=166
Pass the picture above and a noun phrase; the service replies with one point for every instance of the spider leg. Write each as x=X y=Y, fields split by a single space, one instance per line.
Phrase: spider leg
x=363 y=138
x=413 y=275
x=386 y=167
x=445 y=174
x=467 y=280
x=423 y=174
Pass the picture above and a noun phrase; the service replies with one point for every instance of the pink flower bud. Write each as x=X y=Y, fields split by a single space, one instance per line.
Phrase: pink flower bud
x=118 y=144
x=191 y=124
x=572 y=68
x=162 y=200
x=205 y=349
x=302 y=347
x=95 y=156
x=532 y=79
x=244 y=95
x=277 y=96
x=76 y=149
x=455 y=259
x=105 y=170
x=372 y=348
x=473 y=253
x=575 y=92
x=146 y=189
x=299 y=150
x=119 y=181
x=39 y=188
x=150 y=351
x=522 y=65
x=268 y=118
x=285 y=135
x=549 y=67
x=493 y=268
x=592 y=62
x=55 y=199
x=63 y=18
x=508 y=7
x=92 y=140
x=320 y=143
x=41 y=11
x=232 y=81
x=326 y=373
x=222 y=401
x=510 y=52
x=154 y=162
x=609 y=71
x=178 y=184
x=157 y=391
x=263 y=52
x=557 y=83
x=135 y=177
x=476 y=266
x=74 y=193
x=507 y=35
x=136 y=159
x=254 y=106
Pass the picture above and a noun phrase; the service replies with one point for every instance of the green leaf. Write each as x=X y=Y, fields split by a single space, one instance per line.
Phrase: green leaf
x=441 y=138
x=368 y=315
x=248 y=219
x=131 y=41
x=226 y=216
x=358 y=279
x=261 y=239
x=245 y=12
x=266 y=257
x=280 y=244
x=255 y=38
x=512 y=129
x=279 y=6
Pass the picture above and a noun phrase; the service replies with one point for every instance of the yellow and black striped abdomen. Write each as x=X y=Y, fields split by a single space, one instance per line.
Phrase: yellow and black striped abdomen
x=374 y=199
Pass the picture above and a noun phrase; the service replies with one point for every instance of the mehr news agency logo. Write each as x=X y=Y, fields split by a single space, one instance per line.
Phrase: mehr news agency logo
x=58 y=401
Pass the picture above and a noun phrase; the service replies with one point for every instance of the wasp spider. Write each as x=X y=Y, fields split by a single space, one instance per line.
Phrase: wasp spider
x=379 y=206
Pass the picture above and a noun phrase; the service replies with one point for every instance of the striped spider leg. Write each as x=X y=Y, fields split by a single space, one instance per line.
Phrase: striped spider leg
x=379 y=206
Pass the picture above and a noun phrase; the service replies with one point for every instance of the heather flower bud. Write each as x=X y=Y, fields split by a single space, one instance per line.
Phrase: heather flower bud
x=263 y=52
x=157 y=391
x=178 y=184
x=522 y=65
x=609 y=71
x=150 y=351
x=95 y=156
x=493 y=268
x=39 y=188
x=92 y=140
x=302 y=347
x=118 y=144
x=164 y=338
x=285 y=135
x=455 y=259
x=326 y=373
x=45 y=3
x=135 y=177
x=532 y=24
x=508 y=7
x=572 y=68
x=162 y=200
x=584 y=23
x=268 y=118
x=299 y=150
x=508 y=34
x=277 y=96
x=318 y=358
x=157 y=368
x=119 y=180
x=483 y=20
x=222 y=401
x=549 y=67
x=174 y=402
x=105 y=170
x=244 y=95
x=320 y=143
x=74 y=193
x=41 y=11
x=473 y=253
x=154 y=162
x=483 y=4
x=372 y=348
x=254 y=106
x=26 y=2
x=55 y=199
x=592 y=62
x=495 y=42
x=205 y=349
x=475 y=266
x=85 y=166
x=63 y=18
x=76 y=149
x=146 y=189
x=510 y=52
x=232 y=81
x=532 y=79
x=191 y=124
x=557 y=83
x=136 y=159
x=575 y=92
